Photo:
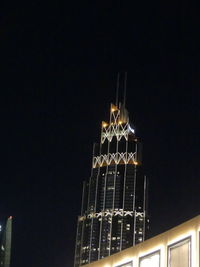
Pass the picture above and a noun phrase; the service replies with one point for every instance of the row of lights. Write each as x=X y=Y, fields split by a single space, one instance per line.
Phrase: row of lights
x=105 y=124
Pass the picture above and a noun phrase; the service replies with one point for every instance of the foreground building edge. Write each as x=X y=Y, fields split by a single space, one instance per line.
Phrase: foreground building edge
x=177 y=247
x=5 y=243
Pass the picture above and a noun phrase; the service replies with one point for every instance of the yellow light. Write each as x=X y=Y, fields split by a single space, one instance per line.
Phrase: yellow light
x=104 y=124
x=135 y=162
x=113 y=108
x=120 y=122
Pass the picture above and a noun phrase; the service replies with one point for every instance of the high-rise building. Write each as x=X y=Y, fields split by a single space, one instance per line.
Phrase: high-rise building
x=5 y=242
x=113 y=213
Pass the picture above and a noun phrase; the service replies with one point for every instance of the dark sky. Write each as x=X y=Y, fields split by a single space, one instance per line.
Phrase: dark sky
x=59 y=63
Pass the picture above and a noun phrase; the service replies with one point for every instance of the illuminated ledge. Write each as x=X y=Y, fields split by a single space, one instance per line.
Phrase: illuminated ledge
x=112 y=213
x=115 y=158
x=117 y=130
x=174 y=248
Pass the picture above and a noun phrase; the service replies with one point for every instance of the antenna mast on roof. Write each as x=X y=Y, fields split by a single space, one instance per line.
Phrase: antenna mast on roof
x=125 y=82
x=117 y=89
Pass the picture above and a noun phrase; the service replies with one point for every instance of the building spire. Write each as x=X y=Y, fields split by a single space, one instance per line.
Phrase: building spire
x=125 y=83
x=117 y=90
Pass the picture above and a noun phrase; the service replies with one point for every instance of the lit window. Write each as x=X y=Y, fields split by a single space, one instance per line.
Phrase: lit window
x=110 y=188
x=150 y=260
x=179 y=254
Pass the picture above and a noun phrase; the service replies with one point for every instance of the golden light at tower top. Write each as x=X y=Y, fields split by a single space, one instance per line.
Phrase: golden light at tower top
x=113 y=108
x=104 y=124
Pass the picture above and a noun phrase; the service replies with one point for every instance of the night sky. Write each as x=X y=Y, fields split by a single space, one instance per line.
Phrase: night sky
x=59 y=64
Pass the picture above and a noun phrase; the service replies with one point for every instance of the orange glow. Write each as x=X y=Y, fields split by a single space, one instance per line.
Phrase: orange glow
x=113 y=108
x=104 y=124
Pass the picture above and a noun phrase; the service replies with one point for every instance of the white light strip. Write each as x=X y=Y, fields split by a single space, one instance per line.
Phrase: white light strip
x=109 y=158
x=112 y=213
x=117 y=130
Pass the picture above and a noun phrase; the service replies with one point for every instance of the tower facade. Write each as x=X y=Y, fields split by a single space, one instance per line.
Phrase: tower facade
x=113 y=212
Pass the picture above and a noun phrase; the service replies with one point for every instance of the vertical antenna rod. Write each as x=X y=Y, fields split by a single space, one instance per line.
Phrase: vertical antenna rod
x=117 y=89
x=125 y=82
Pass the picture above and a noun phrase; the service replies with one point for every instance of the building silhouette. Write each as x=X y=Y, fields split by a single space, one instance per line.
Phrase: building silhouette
x=113 y=212
x=5 y=242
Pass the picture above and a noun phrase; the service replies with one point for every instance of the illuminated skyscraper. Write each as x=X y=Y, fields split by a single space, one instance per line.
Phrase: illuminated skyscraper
x=113 y=213
x=5 y=243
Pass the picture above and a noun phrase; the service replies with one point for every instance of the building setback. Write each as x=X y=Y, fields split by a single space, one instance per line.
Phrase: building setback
x=113 y=213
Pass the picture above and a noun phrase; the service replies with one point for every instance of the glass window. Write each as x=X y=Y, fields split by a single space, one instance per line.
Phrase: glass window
x=179 y=254
x=150 y=260
x=128 y=264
